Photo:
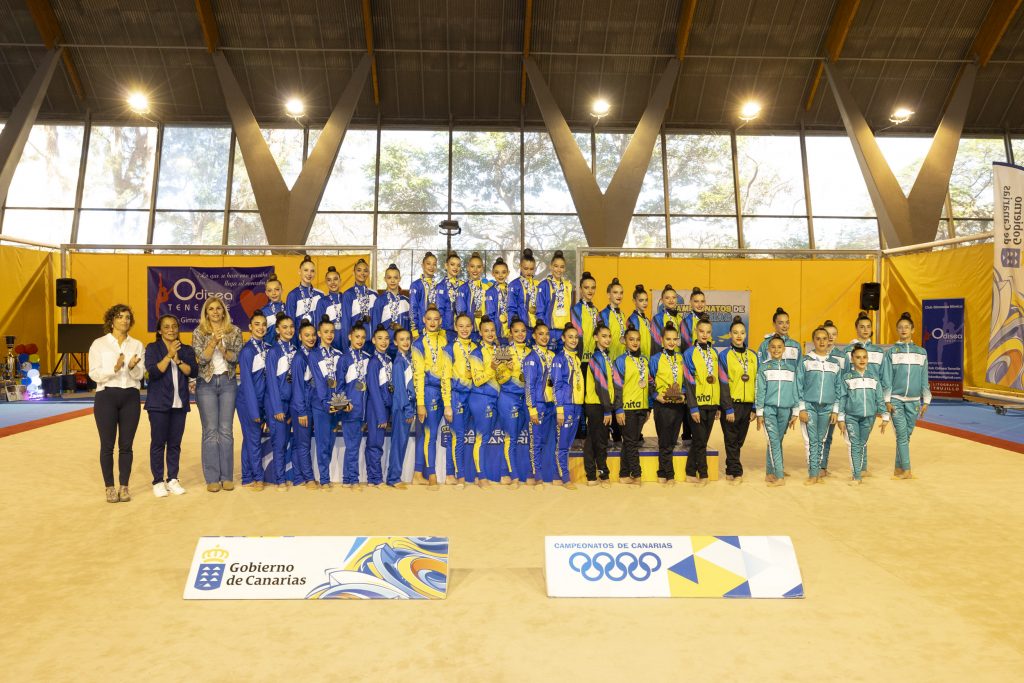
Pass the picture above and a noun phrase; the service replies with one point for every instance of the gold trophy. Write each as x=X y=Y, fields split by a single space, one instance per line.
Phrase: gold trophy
x=673 y=394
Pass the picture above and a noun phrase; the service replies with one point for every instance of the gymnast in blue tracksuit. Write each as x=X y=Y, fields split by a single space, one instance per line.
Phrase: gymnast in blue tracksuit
x=422 y=293
x=471 y=298
x=301 y=302
x=330 y=305
x=861 y=404
x=324 y=362
x=456 y=383
x=792 y=352
x=522 y=294
x=277 y=405
x=905 y=390
x=380 y=388
x=819 y=385
x=353 y=374
x=275 y=292
x=427 y=366
x=392 y=308
x=446 y=293
x=483 y=397
x=540 y=405
x=252 y=388
x=403 y=407
x=512 y=415
x=497 y=302
x=300 y=407
x=567 y=381
x=554 y=299
x=357 y=304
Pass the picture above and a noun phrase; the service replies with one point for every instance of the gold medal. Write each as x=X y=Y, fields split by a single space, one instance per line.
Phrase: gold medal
x=331 y=382
x=503 y=318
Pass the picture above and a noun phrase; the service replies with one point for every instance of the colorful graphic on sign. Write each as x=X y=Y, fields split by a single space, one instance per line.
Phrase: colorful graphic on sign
x=942 y=329
x=182 y=291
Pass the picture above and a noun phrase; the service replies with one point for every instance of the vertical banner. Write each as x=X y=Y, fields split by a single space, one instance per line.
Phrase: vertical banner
x=1006 y=338
x=182 y=291
x=942 y=324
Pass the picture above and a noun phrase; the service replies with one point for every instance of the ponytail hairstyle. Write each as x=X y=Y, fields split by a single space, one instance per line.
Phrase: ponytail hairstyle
x=906 y=316
x=586 y=276
x=775 y=316
x=613 y=283
x=736 y=320
x=863 y=315
x=638 y=291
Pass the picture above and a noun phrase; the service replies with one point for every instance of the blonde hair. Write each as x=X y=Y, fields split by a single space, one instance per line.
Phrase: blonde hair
x=204 y=322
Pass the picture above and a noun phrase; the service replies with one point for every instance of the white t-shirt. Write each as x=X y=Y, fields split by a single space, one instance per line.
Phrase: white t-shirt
x=103 y=356
x=217 y=362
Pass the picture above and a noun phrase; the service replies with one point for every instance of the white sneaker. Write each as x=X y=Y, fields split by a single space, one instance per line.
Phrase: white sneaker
x=174 y=487
x=159 y=490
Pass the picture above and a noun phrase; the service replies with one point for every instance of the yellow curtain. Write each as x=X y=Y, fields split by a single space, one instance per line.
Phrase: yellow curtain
x=28 y=301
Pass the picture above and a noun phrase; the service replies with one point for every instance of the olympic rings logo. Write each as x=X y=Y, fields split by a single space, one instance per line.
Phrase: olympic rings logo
x=604 y=566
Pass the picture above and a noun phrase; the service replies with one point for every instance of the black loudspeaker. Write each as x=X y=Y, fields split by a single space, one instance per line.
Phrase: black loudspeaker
x=870 y=296
x=67 y=291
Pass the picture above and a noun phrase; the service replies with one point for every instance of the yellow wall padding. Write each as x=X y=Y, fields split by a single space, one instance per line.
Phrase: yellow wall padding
x=810 y=291
x=28 y=301
x=956 y=273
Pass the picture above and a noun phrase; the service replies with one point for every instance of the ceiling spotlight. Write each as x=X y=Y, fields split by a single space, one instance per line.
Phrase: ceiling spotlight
x=600 y=107
x=750 y=110
x=138 y=103
x=294 y=108
x=900 y=115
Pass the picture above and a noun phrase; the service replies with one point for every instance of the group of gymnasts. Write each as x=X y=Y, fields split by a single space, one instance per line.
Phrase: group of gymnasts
x=537 y=361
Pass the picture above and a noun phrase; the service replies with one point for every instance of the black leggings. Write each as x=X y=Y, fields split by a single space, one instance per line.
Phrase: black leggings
x=117 y=414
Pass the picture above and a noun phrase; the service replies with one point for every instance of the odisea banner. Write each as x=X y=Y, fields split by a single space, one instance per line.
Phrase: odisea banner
x=319 y=568
x=672 y=567
x=1006 y=338
x=722 y=305
x=182 y=291
x=942 y=324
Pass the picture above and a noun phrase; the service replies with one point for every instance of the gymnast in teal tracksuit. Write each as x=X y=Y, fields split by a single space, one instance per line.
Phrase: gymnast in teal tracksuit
x=776 y=406
x=252 y=390
x=905 y=390
x=540 y=405
x=380 y=387
x=876 y=354
x=819 y=383
x=300 y=407
x=403 y=408
x=277 y=404
x=326 y=380
x=567 y=378
x=792 y=352
x=861 y=404
x=352 y=371
x=483 y=397
x=837 y=353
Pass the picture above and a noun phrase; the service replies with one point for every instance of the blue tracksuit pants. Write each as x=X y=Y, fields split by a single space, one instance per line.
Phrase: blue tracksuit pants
x=324 y=424
x=482 y=409
x=280 y=437
x=302 y=461
x=352 y=432
x=426 y=433
x=461 y=421
x=375 y=445
x=512 y=418
x=252 y=447
x=396 y=453
x=565 y=438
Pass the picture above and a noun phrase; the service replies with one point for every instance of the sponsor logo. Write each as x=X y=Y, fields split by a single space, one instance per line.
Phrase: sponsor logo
x=939 y=333
x=618 y=567
x=211 y=570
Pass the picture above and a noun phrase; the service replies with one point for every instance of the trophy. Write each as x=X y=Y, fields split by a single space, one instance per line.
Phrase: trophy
x=11 y=366
x=503 y=354
x=339 y=402
x=673 y=394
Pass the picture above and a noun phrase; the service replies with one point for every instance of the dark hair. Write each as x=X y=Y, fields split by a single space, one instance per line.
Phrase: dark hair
x=380 y=328
x=631 y=328
x=332 y=269
x=600 y=326
x=499 y=262
x=391 y=266
x=819 y=328
x=516 y=320
x=862 y=316
x=695 y=291
x=569 y=327
x=160 y=322
x=638 y=291
x=305 y=323
x=281 y=317
x=113 y=312
x=669 y=327
x=450 y=256
x=558 y=254
x=586 y=276
x=305 y=259
x=779 y=311
x=324 y=320
x=541 y=323
x=272 y=278
x=357 y=328
x=615 y=281
x=486 y=318
x=667 y=288
x=857 y=347
x=527 y=255
x=257 y=314
x=828 y=323
x=429 y=254
x=776 y=336
x=460 y=316
x=361 y=260
x=736 y=320
x=906 y=316
x=703 y=319
x=475 y=255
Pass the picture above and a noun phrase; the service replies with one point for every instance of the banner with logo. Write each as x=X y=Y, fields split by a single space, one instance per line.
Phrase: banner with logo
x=942 y=329
x=1006 y=338
x=722 y=305
x=181 y=291
x=319 y=568
x=672 y=567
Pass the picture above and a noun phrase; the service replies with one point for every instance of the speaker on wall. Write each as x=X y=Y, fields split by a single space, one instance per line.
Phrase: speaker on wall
x=870 y=296
x=67 y=291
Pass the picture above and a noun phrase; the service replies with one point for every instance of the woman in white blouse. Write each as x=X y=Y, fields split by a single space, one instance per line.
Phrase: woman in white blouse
x=115 y=364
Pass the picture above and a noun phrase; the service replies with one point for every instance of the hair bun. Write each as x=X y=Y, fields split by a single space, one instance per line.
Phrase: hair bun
x=631 y=328
x=499 y=262
x=429 y=254
x=863 y=314
x=586 y=275
x=485 y=319
x=332 y=269
x=670 y=326
x=433 y=307
x=391 y=266
x=380 y=328
x=362 y=260
x=558 y=254
x=906 y=316
x=325 y=319
x=305 y=260
x=780 y=309
x=828 y=323
x=696 y=290
x=615 y=281
x=451 y=255
x=475 y=254
x=639 y=288
x=568 y=326
x=527 y=253
x=736 y=319
x=703 y=318
x=667 y=288
x=281 y=315
x=272 y=278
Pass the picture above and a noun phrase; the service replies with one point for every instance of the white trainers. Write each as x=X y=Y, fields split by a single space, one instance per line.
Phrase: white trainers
x=174 y=487
x=159 y=490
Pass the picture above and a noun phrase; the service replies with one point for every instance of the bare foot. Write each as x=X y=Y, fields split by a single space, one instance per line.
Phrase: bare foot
x=401 y=486
x=591 y=482
x=738 y=479
x=824 y=473
x=505 y=481
x=692 y=480
x=854 y=482
x=483 y=483
x=729 y=477
x=865 y=473
x=570 y=486
x=605 y=484
x=662 y=480
x=418 y=479
x=810 y=481
x=514 y=485
x=703 y=481
x=907 y=474
x=556 y=482
x=769 y=478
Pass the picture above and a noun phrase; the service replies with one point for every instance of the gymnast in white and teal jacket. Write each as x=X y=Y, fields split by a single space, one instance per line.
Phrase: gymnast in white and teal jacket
x=776 y=405
x=818 y=379
x=905 y=390
x=860 y=405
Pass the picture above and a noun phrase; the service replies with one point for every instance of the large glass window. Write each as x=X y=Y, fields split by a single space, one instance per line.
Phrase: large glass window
x=485 y=171
x=905 y=156
x=341 y=229
x=193 y=168
x=610 y=148
x=545 y=187
x=771 y=176
x=775 y=233
x=845 y=233
x=970 y=185
x=837 y=184
x=646 y=231
x=1017 y=144
x=47 y=173
x=700 y=175
x=350 y=187
x=119 y=170
x=49 y=226
x=703 y=233
x=413 y=170
x=113 y=227
x=188 y=227
x=286 y=148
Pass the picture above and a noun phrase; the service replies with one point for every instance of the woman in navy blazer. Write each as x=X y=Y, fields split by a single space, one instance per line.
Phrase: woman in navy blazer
x=170 y=365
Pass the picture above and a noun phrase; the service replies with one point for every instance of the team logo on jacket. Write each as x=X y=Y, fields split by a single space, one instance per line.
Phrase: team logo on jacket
x=211 y=571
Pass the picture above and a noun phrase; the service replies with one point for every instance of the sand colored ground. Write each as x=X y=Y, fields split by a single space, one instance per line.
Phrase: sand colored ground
x=908 y=581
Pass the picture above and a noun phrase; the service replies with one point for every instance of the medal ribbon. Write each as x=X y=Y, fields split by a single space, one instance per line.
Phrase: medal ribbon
x=360 y=365
x=428 y=289
x=641 y=368
x=708 y=360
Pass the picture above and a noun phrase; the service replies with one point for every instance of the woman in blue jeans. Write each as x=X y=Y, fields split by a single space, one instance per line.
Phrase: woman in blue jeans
x=217 y=343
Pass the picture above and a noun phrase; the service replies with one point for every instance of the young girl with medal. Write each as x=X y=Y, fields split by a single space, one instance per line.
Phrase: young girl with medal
x=791 y=351
x=632 y=378
x=301 y=302
x=614 y=319
x=905 y=389
x=585 y=317
x=775 y=403
x=331 y=306
x=707 y=393
x=567 y=378
x=698 y=306
x=554 y=299
x=819 y=385
x=497 y=301
x=323 y=365
x=641 y=323
x=447 y=292
x=352 y=373
x=669 y=400
x=357 y=303
x=483 y=397
x=456 y=383
x=280 y=359
x=876 y=355
x=598 y=405
x=522 y=293
x=380 y=389
x=668 y=311
x=540 y=406
x=472 y=294
x=275 y=292
x=422 y=293
x=392 y=307
x=860 y=406
x=512 y=416
x=252 y=390
x=838 y=354
x=300 y=408
x=403 y=408
x=426 y=364
x=740 y=366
